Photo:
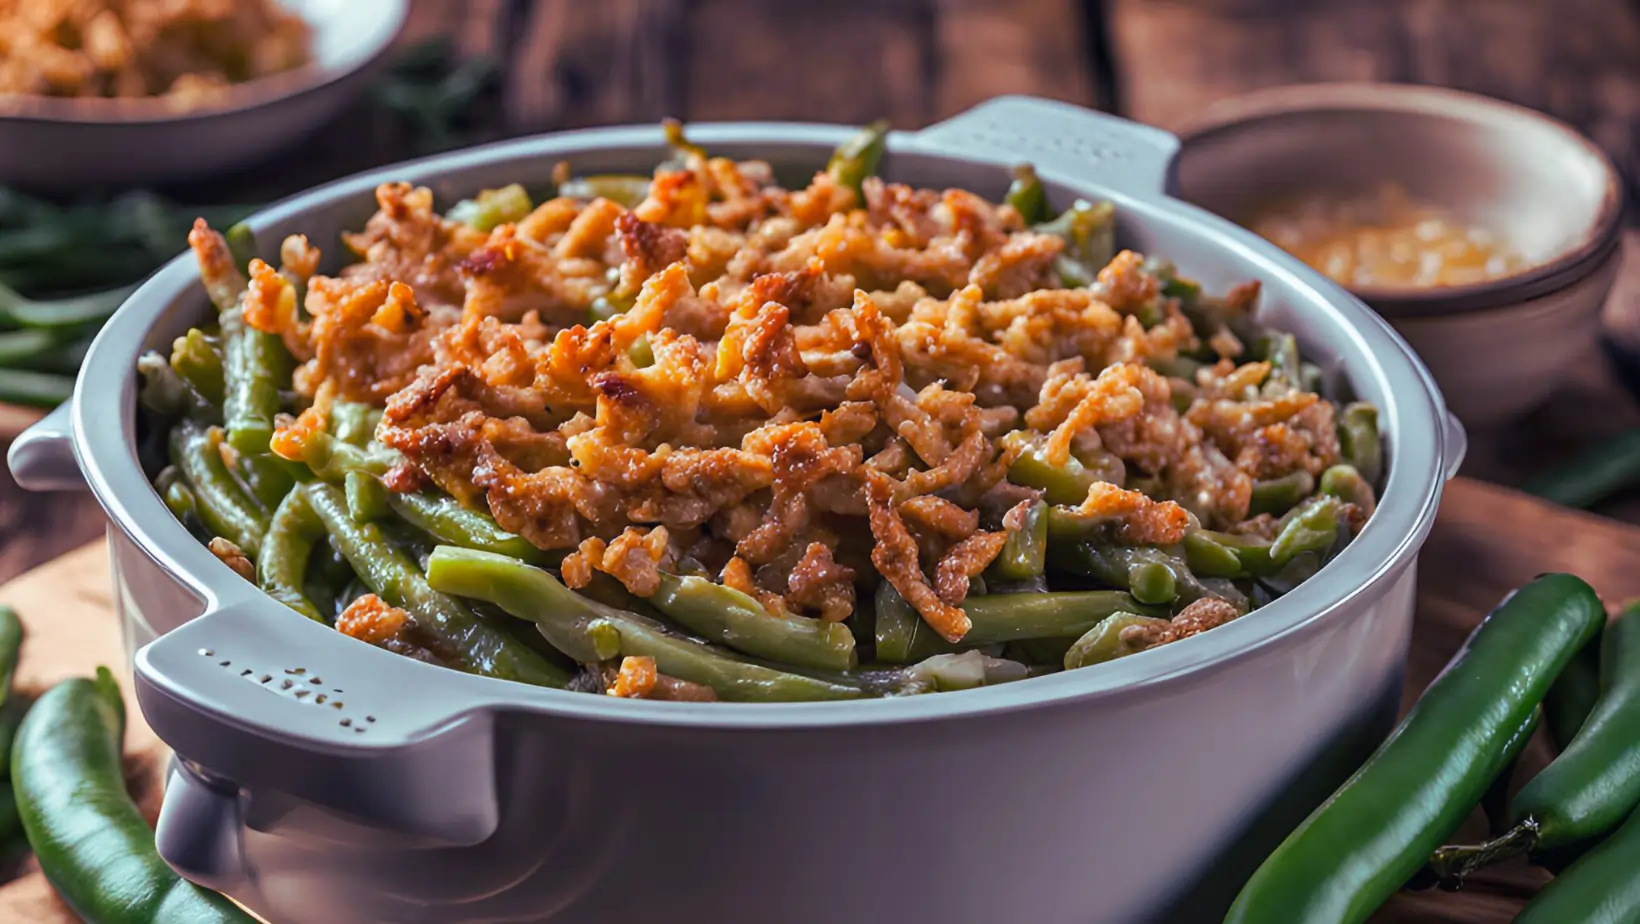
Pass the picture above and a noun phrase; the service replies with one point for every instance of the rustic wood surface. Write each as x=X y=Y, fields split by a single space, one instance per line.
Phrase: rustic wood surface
x=1486 y=540
x=568 y=64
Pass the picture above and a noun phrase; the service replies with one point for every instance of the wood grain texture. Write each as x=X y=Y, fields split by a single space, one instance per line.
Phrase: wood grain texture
x=1486 y=540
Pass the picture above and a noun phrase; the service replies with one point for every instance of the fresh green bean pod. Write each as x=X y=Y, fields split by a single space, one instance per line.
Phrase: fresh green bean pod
x=1358 y=441
x=354 y=423
x=255 y=366
x=281 y=569
x=566 y=619
x=1421 y=784
x=366 y=498
x=902 y=636
x=626 y=190
x=65 y=314
x=857 y=158
x=1024 y=555
x=1089 y=232
x=267 y=477
x=1104 y=641
x=478 y=646
x=90 y=840
x=445 y=519
x=727 y=616
x=1279 y=495
x=1573 y=696
x=1593 y=475
x=1027 y=196
x=223 y=508
x=199 y=362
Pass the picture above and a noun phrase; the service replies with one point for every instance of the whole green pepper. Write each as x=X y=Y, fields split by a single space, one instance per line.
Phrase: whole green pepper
x=90 y=840
x=1376 y=832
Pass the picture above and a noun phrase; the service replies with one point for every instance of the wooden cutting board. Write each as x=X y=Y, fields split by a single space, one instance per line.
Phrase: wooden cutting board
x=1486 y=541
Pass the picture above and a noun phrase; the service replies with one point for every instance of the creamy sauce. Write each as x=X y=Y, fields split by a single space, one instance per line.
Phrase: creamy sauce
x=1387 y=240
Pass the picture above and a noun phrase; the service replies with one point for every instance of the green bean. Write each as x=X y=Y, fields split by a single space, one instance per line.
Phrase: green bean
x=901 y=634
x=1023 y=555
x=565 y=618
x=492 y=207
x=18 y=346
x=1310 y=527
x=330 y=459
x=1104 y=641
x=366 y=498
x=354 y=423
x=1279 y=495
x=857 y=158
x=623 y=189
x=242 y=244
x=62 y=358
x=180 y=500
x=1172 y=284
x=609 y=306
x=74 y=313
x=1176 y=367
x=1065 y=484
x=1592 y=475
x=281 y=569
x=162 y=392
x=1152 y=582
x=1027 y=196
x=1151 y=575
x=1310 y=378
x=199 y=362
x=35 y=389
x=1281 y=352
x=477 y=646
x=223 y=507
x=1358 y=440
x=267 y=477
x=447 y=520
x=682 y=147
x=1089 y=233
x=727 y=616
x=1346 y=484
x=255 y=364
x=1209 y=557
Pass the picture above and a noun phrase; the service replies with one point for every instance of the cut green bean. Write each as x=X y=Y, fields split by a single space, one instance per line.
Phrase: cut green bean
x=224 y=509
x=241 y=244
x=330 y=459
x=901 y=634
x=1089 y=232
x=1065 y=484
x=727 y=616
x=1027 y=196
x=179 y=499
x=1104 y=641
x=1346 y=484
x=566 y=619
x=1281 y=352
x=492 y=207
x=475 y=645
x=354 y=423
x=256 y=364
x=366 y=498
x=1151 y=575
x=1311 y=527
x=1358 y=441
x=445 y=519
x=268 y=477
x=1023 y=556
x=199 y=362
x=281 y=569
x=857 y=158
x=1279 y=495
x=623 y=189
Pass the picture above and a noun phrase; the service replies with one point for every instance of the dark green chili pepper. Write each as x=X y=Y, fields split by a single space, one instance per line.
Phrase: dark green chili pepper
x=1358 y=441
x=1593 y=785
x=1573 y=696
x=1023 y=555
x=1279 y=495
x=1495 y=804
x=1592 y=475
x=1376 y=832
x=1027 y=196
x=1600 y=888
x=857 y=158
x=88 y=836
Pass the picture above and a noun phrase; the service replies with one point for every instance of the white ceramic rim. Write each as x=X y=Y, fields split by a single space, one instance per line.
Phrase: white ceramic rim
x=1417 y=433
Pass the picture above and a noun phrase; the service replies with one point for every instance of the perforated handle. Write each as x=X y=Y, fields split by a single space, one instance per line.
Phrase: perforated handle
x=263 y=699
x=1059 y=138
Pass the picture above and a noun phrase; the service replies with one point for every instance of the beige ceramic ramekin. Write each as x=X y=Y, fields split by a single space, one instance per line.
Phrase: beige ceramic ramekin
x=1497 y=348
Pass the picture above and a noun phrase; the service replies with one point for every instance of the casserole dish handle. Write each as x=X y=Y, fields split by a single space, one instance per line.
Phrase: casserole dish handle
x=253 y=703
x=1059 y=138
x=42 y=457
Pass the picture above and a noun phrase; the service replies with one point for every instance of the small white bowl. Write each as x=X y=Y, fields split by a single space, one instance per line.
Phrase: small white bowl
x=51 y=144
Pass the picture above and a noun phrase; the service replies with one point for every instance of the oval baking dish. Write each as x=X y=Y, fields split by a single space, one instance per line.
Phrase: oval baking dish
x=319 y=780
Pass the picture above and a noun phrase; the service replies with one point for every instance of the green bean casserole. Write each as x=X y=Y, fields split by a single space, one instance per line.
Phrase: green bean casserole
x=695 y=436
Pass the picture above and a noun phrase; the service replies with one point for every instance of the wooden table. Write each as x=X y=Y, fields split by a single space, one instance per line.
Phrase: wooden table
x=570 y=63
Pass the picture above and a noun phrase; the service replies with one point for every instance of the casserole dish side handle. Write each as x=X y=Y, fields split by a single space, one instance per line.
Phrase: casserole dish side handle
x=254 y=698
x=1059 y=138
x=42 y=457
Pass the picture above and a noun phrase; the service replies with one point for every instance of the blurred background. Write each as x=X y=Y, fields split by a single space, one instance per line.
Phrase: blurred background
x=469 y=71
